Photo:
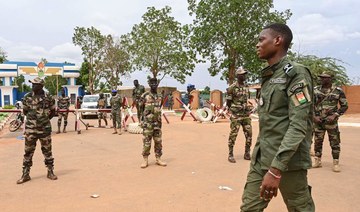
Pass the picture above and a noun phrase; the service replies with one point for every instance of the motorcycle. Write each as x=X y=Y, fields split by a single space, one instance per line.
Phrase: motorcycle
x=17 y=122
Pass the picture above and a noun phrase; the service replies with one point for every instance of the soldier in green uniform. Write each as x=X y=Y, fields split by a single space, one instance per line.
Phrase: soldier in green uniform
x=237 y=100
x=170 y=101
x=327 y=113
x=101 y=104
x=63 y=103
x=136 y=96
x=281 y=157
x=116 y=106
x=152 y=123
x=39 y=108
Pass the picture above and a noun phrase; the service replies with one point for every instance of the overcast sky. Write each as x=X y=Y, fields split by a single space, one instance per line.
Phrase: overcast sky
x=35 y=29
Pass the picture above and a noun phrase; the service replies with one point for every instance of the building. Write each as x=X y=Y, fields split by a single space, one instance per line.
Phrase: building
x=11 y=69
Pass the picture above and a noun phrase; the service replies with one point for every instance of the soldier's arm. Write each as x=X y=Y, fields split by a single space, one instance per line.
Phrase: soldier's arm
x=52 y=107
x=229 y=97
x=25 y=106
x=343 y=103
x=300 y=116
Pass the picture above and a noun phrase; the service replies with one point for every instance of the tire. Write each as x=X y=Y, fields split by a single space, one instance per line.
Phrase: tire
x=134 y=128
x=204 y=115
x=14 y=125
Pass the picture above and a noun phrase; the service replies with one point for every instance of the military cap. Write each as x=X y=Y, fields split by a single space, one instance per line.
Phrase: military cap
x=326 y=74
x=240 y=71
x=37 y=80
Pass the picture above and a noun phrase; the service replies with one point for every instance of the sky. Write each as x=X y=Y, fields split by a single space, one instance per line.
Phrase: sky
x=35 y=29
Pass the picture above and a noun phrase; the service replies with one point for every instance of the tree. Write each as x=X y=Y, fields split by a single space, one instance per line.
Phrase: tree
x=83 y=79
x=318 y=65
x=116 y=62
x=2 y=56
x=91 y=42
x=206 y=90
x=225 y=32
x=159 y=44
x=51 y=83
x=20 y=82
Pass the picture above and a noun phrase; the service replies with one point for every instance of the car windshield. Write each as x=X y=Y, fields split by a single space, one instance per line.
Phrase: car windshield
x=90 y=98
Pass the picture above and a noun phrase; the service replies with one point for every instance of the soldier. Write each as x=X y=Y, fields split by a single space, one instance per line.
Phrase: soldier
x=136 y=95
x=281 y=157
x=152 y=123
x=39 y=108
x=170 y=101
x=116 y=106
x=237 y=101
x=63 y=103
x=327 y=113
x=101 y=104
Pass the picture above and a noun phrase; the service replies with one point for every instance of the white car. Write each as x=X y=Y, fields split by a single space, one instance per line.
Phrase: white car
x=89 y=102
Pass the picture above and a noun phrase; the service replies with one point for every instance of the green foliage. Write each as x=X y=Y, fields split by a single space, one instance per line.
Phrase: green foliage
x=54 y=84
x=9 y=107
x=206 y=90
x=83 y=79
x=2 y=56
x=160 y=45
x=20 y=82
x=318 y=65
x=91 y=42
x=115 y=64
x=225 y=32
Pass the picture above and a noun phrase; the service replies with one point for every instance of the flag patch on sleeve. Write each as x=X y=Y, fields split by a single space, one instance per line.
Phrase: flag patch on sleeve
x=301 y=97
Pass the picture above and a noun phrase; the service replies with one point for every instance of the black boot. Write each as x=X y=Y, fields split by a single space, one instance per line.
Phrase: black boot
x=247 y=153
x=49 y=163
x=25 y=176
x=231 y=158
x=51 y=174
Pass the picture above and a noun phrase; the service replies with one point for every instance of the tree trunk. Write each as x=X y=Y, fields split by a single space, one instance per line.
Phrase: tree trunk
x=232 y=67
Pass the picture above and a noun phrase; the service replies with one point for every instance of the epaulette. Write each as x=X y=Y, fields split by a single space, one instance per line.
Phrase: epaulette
x=289 y=70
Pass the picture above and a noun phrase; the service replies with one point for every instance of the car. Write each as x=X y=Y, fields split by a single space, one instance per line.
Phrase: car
x=89 y=102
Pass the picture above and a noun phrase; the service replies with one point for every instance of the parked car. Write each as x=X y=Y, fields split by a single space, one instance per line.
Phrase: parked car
x=89 y=102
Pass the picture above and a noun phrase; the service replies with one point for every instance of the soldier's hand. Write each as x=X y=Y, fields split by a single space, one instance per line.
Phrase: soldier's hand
x=270 y=185
x=317 y=119
x=331 y=118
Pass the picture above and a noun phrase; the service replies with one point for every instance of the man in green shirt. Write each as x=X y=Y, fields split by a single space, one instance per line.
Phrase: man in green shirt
x=281 y=154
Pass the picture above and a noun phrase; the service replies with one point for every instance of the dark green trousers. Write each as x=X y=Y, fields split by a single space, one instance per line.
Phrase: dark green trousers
x=294 y=189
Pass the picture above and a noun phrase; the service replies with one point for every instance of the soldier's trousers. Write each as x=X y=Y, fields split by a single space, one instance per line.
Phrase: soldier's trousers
x=116 y=119
x=139 y=110
x=102 y=115
x=30 y=146
x=148 y=135
x=334 y=138
x=63 y=116
x=234 y=130
x=294 y=189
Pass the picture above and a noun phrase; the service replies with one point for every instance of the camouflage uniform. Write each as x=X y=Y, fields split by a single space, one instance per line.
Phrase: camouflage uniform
x=326 y=104
x=63 y=103
x=38 y=109
x=116 y=105
x=101 y=104
x=152 y=123
x=136 y=95
x=170 y=101
x=240 y=111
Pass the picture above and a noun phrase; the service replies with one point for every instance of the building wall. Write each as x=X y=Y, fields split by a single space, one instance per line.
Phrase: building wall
x=353 y=96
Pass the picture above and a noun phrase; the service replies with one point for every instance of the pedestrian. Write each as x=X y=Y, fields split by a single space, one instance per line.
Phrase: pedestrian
x=170 y=101
x=327 y=113
x=237 y=100
x=39 y=109
x=63 y=104
x=152 y=123
x=281 y=156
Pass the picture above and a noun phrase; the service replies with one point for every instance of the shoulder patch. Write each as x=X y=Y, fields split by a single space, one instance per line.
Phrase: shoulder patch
x=297 y=86
x=287 y=68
